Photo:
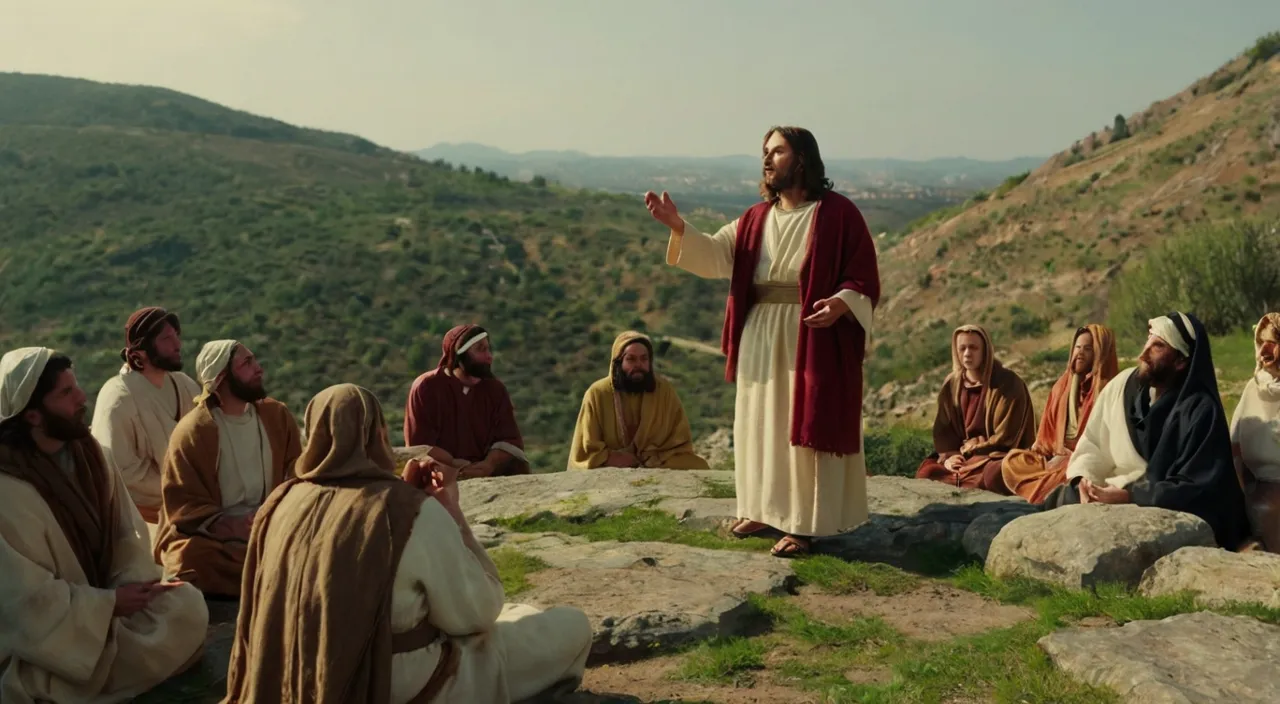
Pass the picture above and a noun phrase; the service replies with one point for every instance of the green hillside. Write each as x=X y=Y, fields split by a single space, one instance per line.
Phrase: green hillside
x=335 y=261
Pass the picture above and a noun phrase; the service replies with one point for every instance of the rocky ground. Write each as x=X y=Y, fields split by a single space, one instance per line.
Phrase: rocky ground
x=942 y=596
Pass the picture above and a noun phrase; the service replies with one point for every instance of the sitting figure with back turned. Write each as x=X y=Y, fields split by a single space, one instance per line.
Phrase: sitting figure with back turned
x=1033 y=473
x=1255 y=435
x=362 y=588
x=984 y=412
x=225 y=457
x=463 y=413
x=1158 y=436
x=633 y=417
x=84 y=616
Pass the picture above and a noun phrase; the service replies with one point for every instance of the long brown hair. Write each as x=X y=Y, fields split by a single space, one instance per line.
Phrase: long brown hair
x=813 y=174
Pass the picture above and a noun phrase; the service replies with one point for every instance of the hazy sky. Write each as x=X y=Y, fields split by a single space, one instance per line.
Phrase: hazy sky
x=895 y=78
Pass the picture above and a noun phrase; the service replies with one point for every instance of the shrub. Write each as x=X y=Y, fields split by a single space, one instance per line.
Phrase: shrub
x=1267 y=46
x=896 y=451
x=1228 y=276
x=1010 y=183
x=1120 y=130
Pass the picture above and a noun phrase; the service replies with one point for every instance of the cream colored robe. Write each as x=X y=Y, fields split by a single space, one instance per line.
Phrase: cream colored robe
x=244 y=462
x=509 y=651
x=1105 y=454
x=793 y=489
x=1255 y=427
x=58 y=634
x=132 y=421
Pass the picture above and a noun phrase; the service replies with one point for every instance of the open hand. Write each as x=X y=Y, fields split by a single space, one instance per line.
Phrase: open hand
x=826 y=312
x=664 y=210
x=132 y=598
x=953 y=462
x=1104 y=494
x=476 y=470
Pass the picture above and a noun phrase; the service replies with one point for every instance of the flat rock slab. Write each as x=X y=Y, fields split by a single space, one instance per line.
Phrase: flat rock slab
x=1085 y=545
x=1186 y=659
x=911 y=517
x=582 y=495
x=905 y=514
x=1218 y=576
x=645 y=597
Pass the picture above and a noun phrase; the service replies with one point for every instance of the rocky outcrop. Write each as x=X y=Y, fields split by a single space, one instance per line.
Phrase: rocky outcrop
x=1217 y=576
x=648 y=597
x=1085 y=545
x=1186 y=659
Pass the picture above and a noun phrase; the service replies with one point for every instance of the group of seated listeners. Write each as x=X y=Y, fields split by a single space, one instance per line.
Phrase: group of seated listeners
x=113 y=534
x=1151 y=435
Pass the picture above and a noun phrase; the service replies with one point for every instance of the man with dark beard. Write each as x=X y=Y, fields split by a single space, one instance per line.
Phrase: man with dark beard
x=633 y=417
x=225 y=457
x=803 y=285
x=84 y=616
x=1159 y=436
x=462 y=414
x=137 y=410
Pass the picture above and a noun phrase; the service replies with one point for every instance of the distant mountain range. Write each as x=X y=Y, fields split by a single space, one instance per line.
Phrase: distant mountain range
x=727 y=173
x=902 y=189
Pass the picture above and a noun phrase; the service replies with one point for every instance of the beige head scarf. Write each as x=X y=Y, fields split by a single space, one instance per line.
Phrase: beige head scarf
x=1165 y=329
x=211 y=366
x=1267 y=334
x=345 y=436
x=20 y=371
x=988 y=358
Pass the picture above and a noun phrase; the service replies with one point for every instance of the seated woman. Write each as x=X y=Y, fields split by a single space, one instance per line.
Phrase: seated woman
x=1255 y=435
x=362 y=587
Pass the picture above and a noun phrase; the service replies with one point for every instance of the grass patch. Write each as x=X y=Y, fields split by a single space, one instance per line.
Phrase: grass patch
x=724 y=661
x=836 y=576
x=712 y=489
x=896 y=451
x=514 y=567
x=633 y=525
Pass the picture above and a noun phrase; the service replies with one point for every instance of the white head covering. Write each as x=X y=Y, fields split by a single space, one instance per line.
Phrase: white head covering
x=212 y=362
x=1165 y=329
x=20 y=371
x=469 y=343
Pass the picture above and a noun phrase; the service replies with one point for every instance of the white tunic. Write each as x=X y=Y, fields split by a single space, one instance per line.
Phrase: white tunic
x=132 y=421
x=793 y=489
x=509 y=651
x=244 y=461
x=1255 y=427
x=58 y=633
x=1105 y=453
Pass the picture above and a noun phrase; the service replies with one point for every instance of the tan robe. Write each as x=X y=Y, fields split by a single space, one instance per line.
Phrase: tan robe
x=657 y=427
x=194 y=498
x=132 y=420
x=58 y=639
x=794 y=489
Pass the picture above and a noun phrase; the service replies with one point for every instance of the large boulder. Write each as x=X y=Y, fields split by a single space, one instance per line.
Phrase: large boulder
x=1084 y=545
x=1185 y=659
x=1219 y=577
x=647 y=597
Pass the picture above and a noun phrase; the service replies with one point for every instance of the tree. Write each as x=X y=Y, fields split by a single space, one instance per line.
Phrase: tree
x=539 y=182
x=1120 y=131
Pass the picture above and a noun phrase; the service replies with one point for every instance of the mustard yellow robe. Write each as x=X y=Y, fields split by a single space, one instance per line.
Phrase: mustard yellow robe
x=662 y=439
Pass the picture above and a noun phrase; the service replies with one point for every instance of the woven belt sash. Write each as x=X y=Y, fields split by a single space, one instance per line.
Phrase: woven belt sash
x=777 y=293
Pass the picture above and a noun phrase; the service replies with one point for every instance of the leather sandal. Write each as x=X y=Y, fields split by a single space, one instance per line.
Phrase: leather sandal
x=791 y=546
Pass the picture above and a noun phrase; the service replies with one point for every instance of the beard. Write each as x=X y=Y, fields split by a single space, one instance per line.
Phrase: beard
x=171 y=363
x=1081 y=366
x=634 y=383
x=247 y=392
x=477 y=370
x=65 y=429
x=1160 y=375
x=780 y=180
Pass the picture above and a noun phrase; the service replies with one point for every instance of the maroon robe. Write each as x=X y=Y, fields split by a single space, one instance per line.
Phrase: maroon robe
x=979 y=472
x=464 y=421
x=827 y=406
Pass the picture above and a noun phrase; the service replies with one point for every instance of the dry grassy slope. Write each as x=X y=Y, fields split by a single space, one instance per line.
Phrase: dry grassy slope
x=1054 y=244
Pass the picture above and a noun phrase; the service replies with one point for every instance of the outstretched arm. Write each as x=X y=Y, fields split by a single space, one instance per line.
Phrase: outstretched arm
x=707 y=256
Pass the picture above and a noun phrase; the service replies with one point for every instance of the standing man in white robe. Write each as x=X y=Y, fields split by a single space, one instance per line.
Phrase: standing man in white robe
x=803 y=285
x=137 y=410
x=83 y=615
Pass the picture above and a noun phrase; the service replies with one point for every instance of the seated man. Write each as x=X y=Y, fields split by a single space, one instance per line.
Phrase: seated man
x=224 y=459
x=416 y=611
x=984 y=411
x=1159 y=437
x=462 y=413
x=1255 y=435
x=84 y=616
x=1033 y=473
x=137 y=409
x=633 y=417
